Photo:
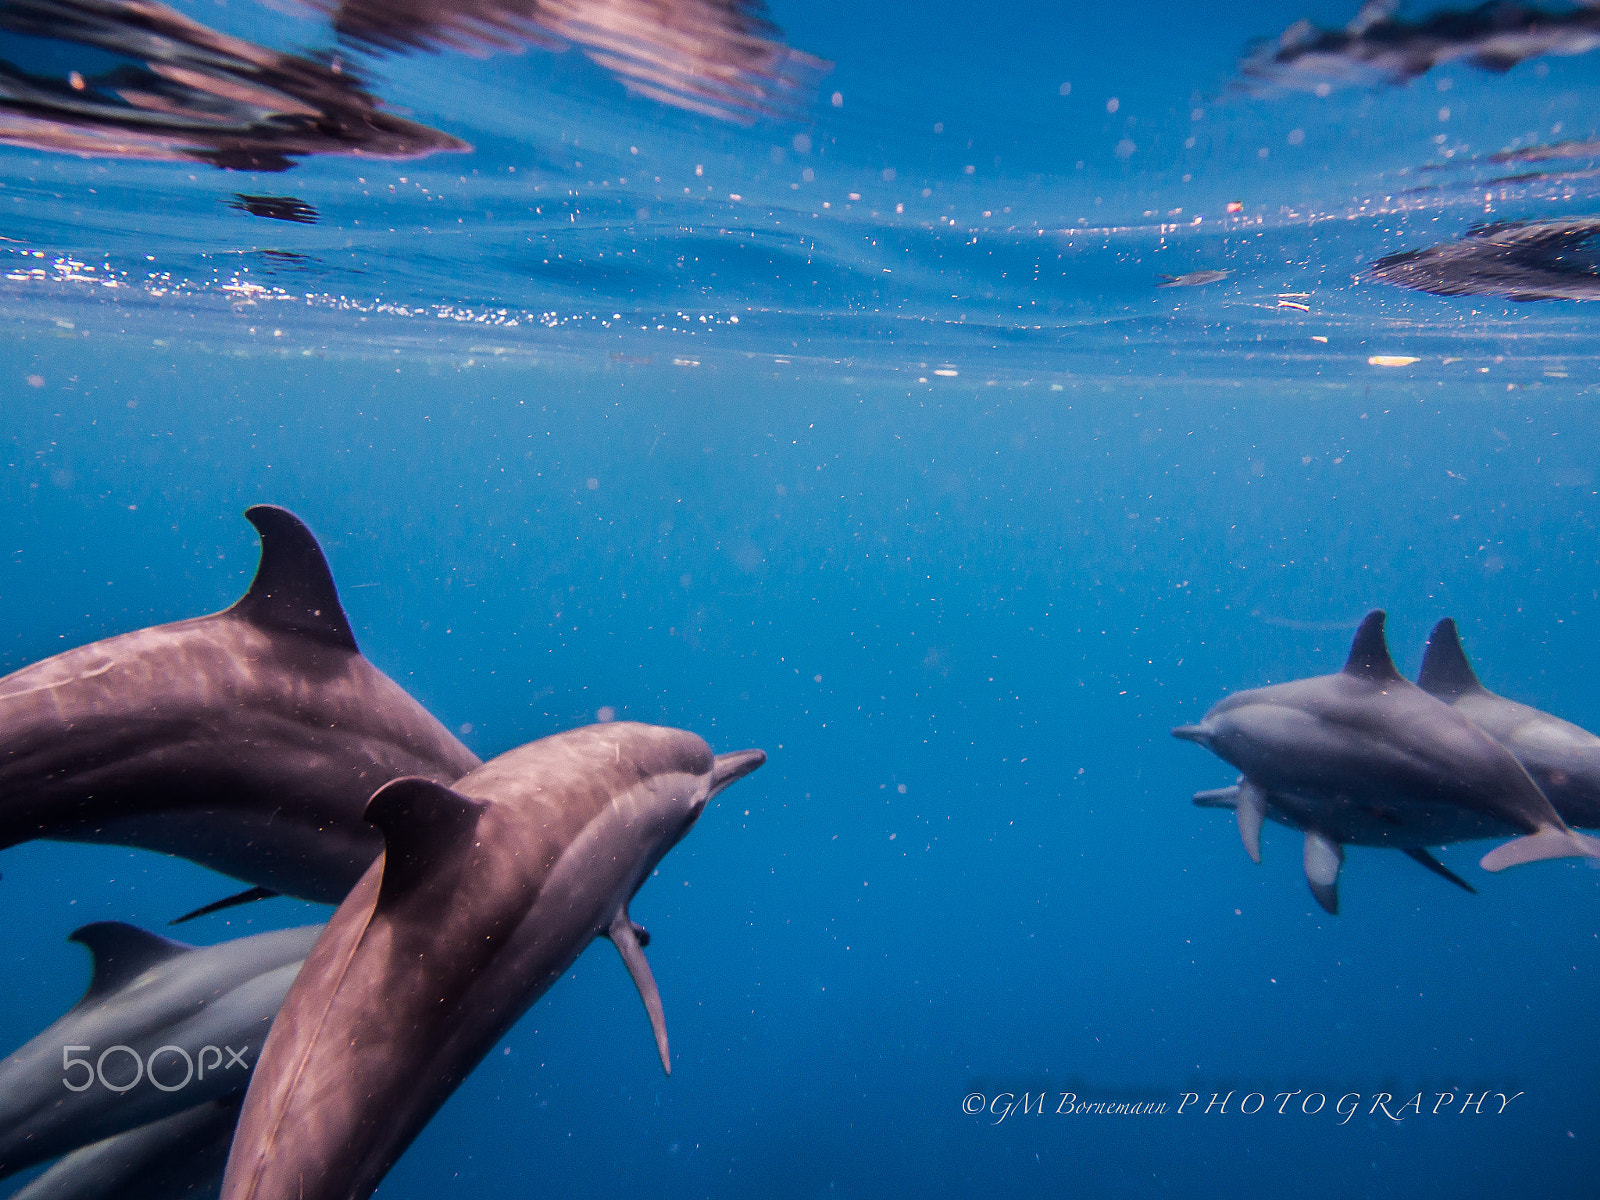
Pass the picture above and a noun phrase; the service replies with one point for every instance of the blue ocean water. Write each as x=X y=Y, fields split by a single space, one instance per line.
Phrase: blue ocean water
x=938 y=498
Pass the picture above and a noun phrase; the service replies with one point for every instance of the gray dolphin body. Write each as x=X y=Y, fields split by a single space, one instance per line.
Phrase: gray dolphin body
x=1563 y=758
x=1366 y=757
x=249 y=740
x=176 y=1158
x=484 y=895
x=160 y=1002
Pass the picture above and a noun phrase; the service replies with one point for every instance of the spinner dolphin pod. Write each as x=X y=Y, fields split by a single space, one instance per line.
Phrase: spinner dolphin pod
x=1365 y=757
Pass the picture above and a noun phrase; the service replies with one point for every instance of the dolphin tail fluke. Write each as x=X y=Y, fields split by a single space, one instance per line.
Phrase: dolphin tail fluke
x=1420 y=855
x=1550 y=842
x=1324 y=857
x=248 y=896
x=625 y=935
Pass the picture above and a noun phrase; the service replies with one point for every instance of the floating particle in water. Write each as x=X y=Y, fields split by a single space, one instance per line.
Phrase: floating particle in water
x=1556 y=259
x=279 y=208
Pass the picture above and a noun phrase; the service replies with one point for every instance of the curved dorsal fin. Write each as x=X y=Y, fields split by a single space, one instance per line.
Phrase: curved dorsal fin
x=293 y=589
x=423 y=824
x=1369 y=653
x=1446 y=673
x=122 y=953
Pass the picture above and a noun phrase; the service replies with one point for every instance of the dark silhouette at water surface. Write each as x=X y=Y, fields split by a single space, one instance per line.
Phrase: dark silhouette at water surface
x=187 y=92
x=1380 y=47
x=279 y=208
x=1519 y=260
x=720 y=57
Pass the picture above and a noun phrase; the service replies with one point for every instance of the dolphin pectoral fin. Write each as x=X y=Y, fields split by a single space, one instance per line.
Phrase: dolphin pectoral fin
x=1324 y=857
x=422 y=823
x=1549 y=842
x=121 y=954
x=293 y=589
x=726 y=768
x=248 y=896
x=1417 y=854
x=1251 y=811
x=624 y=934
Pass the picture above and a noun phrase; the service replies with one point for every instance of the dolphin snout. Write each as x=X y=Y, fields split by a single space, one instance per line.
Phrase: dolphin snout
x=727 y=768
x=1198 y=734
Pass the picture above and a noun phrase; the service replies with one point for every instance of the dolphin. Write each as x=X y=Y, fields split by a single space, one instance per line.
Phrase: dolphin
x=484 y=895
x=1563 y=758
x=176 y=1158
x=249 y=740
x=1250 y=804
x=1366 y=757
x=162 y=1027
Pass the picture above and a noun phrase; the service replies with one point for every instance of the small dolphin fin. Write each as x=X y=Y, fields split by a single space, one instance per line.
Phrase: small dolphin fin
x=1227 y=797
x=421 y=822
x=248 y=896
x=121 y=954
x=726 y=768
x=1552 y=841
x=1417 y=854
x=293 y=588
x=1251 y=811
x=1446 y=673
x=1324 y=857
x=1369 y=652
x=624 y=934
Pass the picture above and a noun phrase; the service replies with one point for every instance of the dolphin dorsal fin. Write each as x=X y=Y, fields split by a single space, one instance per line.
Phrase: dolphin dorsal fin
x=293 y=589
x=1369 y=653
x=121 y=954
x=422 y=823
x=1446 y=673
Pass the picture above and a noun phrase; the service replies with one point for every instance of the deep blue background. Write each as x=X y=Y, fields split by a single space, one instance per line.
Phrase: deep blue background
x=1009 y=594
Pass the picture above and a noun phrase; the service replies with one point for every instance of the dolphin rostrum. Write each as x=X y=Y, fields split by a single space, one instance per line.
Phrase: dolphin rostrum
x=484 y=895
x=162 y=1027
x=249 y=740
x=176 y=1158
x=1366 y=757
x=1563 y=758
